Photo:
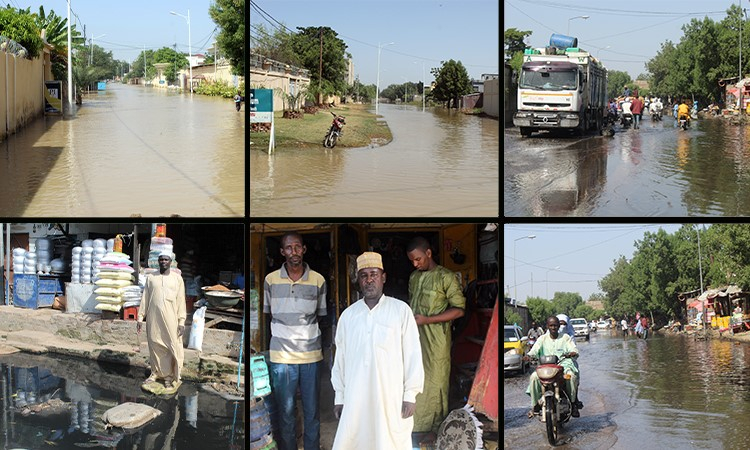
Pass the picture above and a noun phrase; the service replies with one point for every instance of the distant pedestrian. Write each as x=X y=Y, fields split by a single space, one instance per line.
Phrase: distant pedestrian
x=626 y=91
x=624 y=325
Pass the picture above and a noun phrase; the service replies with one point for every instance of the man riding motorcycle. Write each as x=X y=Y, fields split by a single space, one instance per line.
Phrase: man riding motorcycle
x=683 y=111
x=554 y=343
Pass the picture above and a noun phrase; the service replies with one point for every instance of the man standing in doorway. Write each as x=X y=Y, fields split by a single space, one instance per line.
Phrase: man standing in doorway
x=436 y=299
x=295 y=296
x=163 y=307
x=377 y=372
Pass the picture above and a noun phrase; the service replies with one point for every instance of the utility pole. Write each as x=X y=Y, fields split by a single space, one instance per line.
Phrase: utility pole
x=215 y=52
x=320 y=71
x=70 y=65
x=144 y=65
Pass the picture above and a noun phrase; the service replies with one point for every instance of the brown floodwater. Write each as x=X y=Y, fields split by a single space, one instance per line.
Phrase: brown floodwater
x=128 y=150
x=439 y=164
x=657 y=170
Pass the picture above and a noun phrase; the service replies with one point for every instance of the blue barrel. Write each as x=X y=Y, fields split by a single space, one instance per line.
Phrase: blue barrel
x=562 y=41
x=260 y=422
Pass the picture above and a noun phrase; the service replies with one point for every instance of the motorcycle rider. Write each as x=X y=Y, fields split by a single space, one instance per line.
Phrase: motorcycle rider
x=655 y=108
x=683 y=111
x=534 y=331
x=626 y=112
x=554 y=343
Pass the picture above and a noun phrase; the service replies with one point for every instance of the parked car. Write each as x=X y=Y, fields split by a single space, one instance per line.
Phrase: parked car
x=514 y=346
x=581 y=327
x=603 y=324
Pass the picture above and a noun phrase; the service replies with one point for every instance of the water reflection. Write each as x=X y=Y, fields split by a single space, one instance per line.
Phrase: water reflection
x=440 y=163
x=53 y=402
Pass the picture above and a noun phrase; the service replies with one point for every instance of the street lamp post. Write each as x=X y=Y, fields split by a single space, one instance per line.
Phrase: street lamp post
x=91 y=43
x=700 y=269
x=546 y=276
x=515 y=263
x=70 y=65
x=190 y=46
x=576 y=17
x=377 y=84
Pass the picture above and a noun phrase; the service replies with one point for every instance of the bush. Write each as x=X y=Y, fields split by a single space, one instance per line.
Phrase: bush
x=219 y=88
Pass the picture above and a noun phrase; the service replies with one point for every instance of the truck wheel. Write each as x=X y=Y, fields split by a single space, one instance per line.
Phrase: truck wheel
x=525 y=132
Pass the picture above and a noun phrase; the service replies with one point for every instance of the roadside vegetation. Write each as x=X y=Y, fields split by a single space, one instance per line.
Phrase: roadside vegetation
x=361 y=129
x=663 y=265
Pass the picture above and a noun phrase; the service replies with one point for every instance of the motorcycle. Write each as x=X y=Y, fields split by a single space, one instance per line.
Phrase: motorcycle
x=556 y=405
x=626 y=120
x=684 y=122
x=335 y=132
x=656 y=114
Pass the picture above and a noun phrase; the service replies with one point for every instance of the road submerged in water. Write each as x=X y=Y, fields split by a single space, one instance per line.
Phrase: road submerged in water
x=656 y=170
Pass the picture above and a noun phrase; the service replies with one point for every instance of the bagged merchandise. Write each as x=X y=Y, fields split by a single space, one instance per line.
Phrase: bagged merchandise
x=196 y=330
x=110 y=291
x=108 y=307
x=104 y=282
x=109 y=299
x=116 y=275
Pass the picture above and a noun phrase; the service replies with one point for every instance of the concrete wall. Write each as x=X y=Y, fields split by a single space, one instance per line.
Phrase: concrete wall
x=279 y=82
x=21 y=92
x=491 y=100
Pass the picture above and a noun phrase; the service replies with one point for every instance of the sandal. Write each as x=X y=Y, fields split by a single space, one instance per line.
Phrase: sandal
x=150 y=380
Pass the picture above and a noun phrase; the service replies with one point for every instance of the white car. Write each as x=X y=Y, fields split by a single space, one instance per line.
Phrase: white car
x=603 y=325
x=580 y=327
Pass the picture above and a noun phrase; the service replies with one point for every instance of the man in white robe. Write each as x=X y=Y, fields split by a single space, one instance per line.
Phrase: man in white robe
x=163 y=307
x=378 y=371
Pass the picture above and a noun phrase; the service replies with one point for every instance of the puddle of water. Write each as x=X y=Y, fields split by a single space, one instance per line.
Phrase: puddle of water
x=58 y=403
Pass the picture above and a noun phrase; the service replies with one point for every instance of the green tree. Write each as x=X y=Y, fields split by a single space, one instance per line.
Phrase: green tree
x=277 y=45
x=229 y=15
x=539 y=309
x=361 y=92
x=307 y=46
x=614 y=284
x=136 y=69
x=514 y=42
x=451 y=82
x=176 y=60
x=511 y=318
x=19 y=25
x=55 y=30
x=566 y=302
x=584 y=311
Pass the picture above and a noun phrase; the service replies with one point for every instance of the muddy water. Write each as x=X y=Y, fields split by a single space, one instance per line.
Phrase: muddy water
x=55 y=403
x=665 y=392
x=128 y=150
x=658 y=170
x=439 y=164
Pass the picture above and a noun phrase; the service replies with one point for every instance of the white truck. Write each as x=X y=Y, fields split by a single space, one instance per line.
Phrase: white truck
x=561 y=88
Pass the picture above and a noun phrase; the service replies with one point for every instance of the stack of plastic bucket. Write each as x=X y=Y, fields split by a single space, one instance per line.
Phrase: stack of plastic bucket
x=261 y=405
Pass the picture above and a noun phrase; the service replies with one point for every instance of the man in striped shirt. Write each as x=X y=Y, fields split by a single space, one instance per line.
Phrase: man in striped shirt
x=294 y=297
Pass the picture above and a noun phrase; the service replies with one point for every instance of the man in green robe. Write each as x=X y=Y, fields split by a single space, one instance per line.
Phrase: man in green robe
x=435 y=298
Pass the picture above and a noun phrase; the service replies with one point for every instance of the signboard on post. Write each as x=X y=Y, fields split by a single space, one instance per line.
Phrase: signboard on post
x=261 y=111
x=53 y=97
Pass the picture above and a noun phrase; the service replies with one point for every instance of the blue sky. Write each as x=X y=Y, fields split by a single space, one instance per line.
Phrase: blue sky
x=624 y=35
x=423 y=30
x=130 y=25
x=583 y=253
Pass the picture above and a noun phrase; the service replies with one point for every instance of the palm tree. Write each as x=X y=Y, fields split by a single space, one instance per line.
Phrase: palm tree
x=55 y=30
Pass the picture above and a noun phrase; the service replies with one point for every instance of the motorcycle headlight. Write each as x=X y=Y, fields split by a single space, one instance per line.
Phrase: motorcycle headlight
x=546 y=372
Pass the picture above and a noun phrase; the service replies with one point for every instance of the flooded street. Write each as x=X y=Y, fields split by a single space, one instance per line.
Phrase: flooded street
x=657 y=170
x=128 y=150
x=665 y=392
x=55 y=403
x=440 y=163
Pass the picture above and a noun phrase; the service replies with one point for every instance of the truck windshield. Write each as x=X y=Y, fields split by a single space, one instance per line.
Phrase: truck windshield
x=548 y=81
